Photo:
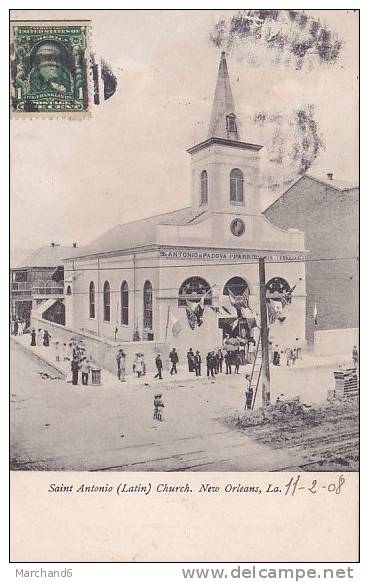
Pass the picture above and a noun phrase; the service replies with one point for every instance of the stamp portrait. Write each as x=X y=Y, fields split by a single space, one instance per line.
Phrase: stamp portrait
x=49 y=68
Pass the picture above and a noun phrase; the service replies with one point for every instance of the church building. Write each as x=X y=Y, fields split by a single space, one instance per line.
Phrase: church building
x=180 y=277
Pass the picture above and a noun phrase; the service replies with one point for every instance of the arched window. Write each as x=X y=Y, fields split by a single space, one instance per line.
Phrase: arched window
x=124 y=303
x=204 y=187
x=91 y=296
x=236 y=186
x=231 y=123
x=106 y=294
x=237 y=286
x=69 y=290
x=147 y=305
x=278 y=288
x=193 y=289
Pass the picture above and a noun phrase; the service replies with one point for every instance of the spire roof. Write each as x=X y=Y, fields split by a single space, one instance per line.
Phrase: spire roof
x=223 y=122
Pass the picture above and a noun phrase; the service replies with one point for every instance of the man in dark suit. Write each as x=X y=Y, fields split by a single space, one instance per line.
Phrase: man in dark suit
x=173 y=356
x=75 y=368
x=159 y=366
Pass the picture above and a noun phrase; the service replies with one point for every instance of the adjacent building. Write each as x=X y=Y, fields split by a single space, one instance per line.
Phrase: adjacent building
x=327 y=210
x=37 y=283
x=144 y=280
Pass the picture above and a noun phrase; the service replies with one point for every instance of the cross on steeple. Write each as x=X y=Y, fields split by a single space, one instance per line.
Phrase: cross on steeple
x=223 y=122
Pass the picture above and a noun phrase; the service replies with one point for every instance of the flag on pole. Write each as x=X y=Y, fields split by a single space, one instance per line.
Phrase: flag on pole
x=239 y=302
x=174 y=325
x=232 y=298
x=195 y=311
x=245 y=298
x=275 y=311
x=190 y=312
x=315 y=314
x=235 y=323
x=286 y=299
x=199 y=310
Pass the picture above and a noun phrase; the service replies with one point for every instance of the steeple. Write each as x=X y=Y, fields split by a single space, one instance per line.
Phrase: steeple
x=223 y=122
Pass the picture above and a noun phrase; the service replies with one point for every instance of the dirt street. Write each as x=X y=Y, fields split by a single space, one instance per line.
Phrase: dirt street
x=56 y=426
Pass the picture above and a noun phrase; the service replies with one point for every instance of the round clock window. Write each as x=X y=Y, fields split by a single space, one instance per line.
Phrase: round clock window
x=237 y=227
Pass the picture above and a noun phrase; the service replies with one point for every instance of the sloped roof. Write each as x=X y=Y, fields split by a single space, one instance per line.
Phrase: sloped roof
x=339 y=185
x=334 y=183
x=17 y=258
x=49 y=256
x=140 y=232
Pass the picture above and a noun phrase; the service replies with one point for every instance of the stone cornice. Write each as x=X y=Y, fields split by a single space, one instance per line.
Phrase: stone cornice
x=227 y=142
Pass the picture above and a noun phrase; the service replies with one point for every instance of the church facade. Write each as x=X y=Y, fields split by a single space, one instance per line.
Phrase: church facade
x=176 y=277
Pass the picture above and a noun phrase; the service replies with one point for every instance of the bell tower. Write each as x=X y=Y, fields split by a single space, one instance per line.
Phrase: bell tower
x=225 y=169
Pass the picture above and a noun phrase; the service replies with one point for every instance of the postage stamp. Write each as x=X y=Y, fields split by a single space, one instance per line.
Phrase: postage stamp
x=49 y=69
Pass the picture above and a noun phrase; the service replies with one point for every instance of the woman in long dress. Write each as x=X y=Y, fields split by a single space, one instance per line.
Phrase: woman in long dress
x=47 y=337
x=40 y=337
x=139 y=366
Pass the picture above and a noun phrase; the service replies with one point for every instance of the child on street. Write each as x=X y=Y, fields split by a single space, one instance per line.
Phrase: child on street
x=158 y=407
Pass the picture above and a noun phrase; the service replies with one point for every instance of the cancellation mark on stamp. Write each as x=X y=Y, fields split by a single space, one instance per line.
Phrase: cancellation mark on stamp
x=49 y=69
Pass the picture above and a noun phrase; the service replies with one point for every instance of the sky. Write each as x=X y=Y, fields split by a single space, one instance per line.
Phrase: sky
x=73 y=180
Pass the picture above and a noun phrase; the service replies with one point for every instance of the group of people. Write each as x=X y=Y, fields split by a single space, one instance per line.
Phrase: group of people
x=139 y=365
x=18 y=326
x=284 y=356
x=40 y=337
x=215 y=359
x=79 y=362
x=73 y=351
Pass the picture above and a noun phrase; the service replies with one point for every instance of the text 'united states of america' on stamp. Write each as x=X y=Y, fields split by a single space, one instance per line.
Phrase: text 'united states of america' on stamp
x=49 y=69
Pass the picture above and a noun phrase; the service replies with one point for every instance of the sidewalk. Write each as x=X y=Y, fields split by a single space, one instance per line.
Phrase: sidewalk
x=42 y=353
x=47 y=356
x=309 y=360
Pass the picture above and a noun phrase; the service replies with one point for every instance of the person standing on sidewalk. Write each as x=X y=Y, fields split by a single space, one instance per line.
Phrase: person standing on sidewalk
x=237 y=361
x=46 y=340
x=190 y=360
x=123 y=367
x=220 y=360
x=159 y=366
x=119 y=363
x=75 y=369
x=198 y=363
x=228 y=362
x=40 y=337
x=33 y=338
x=298 y=348
x=210 y=364
x=85 y=370
x=173 y=356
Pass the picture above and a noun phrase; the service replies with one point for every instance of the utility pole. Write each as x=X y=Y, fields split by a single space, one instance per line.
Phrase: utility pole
x=265 y=373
